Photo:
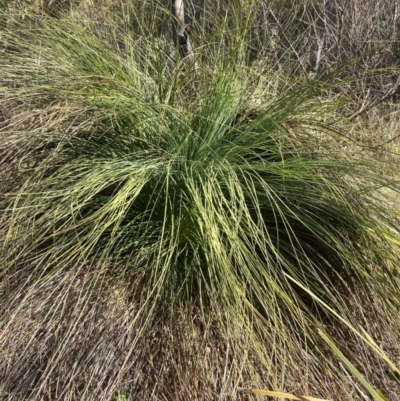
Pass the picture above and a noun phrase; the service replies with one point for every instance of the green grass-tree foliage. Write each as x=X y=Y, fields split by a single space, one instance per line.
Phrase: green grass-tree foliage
x=146 y=204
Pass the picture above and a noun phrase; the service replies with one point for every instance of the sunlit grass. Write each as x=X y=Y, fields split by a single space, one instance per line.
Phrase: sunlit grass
x=165 y=230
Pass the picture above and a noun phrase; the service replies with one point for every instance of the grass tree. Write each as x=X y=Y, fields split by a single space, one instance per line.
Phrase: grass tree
x=168 y=235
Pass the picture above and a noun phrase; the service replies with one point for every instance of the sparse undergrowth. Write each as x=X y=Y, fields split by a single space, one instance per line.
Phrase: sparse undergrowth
x=175 y=231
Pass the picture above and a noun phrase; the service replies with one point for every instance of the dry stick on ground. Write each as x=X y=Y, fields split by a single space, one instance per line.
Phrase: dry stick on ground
x=180 y=31
x=393 y=91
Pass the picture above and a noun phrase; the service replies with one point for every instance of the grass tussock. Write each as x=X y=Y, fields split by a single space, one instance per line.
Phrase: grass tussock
x=175 y=231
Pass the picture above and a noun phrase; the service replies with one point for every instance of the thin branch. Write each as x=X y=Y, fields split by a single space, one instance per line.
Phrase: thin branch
x=368 y=106
x=288 y=41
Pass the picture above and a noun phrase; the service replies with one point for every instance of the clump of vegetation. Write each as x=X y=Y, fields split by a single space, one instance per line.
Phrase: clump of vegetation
x=176 y=230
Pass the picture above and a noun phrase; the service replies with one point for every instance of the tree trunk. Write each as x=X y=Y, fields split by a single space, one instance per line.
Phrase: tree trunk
x=180 y=31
